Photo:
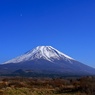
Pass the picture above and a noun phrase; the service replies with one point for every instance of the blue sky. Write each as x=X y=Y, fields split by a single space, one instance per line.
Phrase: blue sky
x=67 y=25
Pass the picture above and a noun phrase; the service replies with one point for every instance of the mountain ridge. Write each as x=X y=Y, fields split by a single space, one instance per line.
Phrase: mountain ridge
x=47 y=52
x=48 y=60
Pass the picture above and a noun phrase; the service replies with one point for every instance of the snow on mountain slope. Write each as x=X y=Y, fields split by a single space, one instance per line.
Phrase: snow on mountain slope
x=46 y=59
x=45 y=52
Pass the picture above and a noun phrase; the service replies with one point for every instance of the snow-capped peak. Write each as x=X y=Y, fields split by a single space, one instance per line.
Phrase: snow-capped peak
x=46 y=52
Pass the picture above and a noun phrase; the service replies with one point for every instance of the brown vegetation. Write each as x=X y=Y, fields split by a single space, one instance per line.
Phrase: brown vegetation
x=47 y=86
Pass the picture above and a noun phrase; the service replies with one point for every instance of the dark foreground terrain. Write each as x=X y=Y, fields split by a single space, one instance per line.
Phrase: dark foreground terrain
x=47 y=86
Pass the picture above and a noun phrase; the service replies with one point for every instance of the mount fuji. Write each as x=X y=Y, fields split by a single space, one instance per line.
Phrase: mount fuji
x=41 y=52
x=45 y=60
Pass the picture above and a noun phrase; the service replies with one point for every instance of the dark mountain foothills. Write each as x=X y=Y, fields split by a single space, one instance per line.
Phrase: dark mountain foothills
x=45 y=61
